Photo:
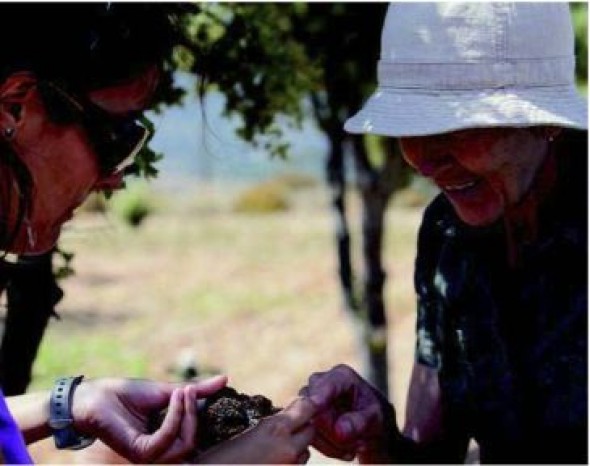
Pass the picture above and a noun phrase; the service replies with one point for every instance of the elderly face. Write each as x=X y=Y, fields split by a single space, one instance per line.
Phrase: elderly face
x=61 y=158
x=481 y=171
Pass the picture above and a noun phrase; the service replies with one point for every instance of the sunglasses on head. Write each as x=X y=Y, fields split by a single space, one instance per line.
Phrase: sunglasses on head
x=116 y=140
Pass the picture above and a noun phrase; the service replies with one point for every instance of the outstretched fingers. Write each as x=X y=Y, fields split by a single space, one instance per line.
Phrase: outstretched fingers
x=152 y=446
x=185 y=441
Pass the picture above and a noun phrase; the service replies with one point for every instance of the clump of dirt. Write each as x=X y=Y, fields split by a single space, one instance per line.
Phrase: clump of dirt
x=224 y=415
x=228 y=413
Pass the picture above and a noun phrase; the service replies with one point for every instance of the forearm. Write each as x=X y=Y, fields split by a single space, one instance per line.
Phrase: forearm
x=395 y=447
x=31 y=413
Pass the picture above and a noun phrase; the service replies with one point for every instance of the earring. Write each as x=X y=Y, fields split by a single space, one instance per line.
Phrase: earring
x=8 y=133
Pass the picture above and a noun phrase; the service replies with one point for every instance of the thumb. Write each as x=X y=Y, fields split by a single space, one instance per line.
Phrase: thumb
x=357 y=424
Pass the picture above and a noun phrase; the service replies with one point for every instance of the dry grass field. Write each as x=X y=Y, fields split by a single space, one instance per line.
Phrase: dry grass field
x=252 y=296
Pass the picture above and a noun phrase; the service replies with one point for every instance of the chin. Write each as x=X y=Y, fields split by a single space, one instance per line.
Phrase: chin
x=478 y=218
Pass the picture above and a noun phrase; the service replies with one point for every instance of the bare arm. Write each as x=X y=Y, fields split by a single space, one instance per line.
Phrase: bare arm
x=423 y=406
x=31 y=413
x=426 y=436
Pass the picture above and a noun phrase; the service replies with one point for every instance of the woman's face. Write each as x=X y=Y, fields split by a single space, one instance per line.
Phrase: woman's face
x=481 y=171
x=62 y=160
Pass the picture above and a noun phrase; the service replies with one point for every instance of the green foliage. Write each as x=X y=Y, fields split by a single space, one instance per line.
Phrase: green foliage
x=62 y=264
x=144 y=163
x=98 y=355
x=132 y=205
x=580 y=22
x=374 y=146
x=248 y=52
x=267 y=197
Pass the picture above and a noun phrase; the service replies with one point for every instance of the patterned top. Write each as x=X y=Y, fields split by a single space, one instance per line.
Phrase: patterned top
x=510 y=343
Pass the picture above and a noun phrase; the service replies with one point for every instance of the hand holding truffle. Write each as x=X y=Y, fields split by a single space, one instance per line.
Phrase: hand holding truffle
x=280 y=438
x=117 y=411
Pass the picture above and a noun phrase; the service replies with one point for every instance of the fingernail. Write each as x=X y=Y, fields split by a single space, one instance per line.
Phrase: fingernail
x=316 y=400
x=345 y=427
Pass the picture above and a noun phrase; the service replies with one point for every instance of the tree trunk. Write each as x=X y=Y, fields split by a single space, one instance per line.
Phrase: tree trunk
x=32 y=294
x=336 y=180
x=374 y=198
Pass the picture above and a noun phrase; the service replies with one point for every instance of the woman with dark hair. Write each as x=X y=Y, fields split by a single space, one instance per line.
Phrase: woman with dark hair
x=70 y=96
x=482 y=98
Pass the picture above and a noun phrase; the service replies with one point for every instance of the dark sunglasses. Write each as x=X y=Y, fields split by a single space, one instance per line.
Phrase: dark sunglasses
x=116 y=140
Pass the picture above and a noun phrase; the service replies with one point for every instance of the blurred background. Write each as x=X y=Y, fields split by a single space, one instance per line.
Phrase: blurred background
x=268 y=245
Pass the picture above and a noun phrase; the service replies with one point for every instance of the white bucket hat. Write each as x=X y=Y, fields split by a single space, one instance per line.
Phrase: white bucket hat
x=451 y=66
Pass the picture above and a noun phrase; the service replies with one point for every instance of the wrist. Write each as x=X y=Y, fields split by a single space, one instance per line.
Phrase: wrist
x=384 y=445
x=81 y=409
x=62 y=418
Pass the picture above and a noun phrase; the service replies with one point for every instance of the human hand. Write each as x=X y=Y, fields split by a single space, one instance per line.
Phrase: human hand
x=352 y=418
x=281 y=438
x=118 y=410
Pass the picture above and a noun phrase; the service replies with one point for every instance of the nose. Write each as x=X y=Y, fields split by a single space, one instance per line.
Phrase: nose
x=435 y=162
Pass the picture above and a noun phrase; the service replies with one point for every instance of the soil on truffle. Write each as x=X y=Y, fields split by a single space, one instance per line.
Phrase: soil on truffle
x=228 y=413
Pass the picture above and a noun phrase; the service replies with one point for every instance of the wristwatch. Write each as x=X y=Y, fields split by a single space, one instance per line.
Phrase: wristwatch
x=60 y=415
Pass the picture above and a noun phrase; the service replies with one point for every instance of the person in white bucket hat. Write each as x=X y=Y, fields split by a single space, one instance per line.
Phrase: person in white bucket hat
x=483 y=100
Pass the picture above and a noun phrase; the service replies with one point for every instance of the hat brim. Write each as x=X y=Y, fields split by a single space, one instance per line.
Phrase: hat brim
x=413 y=112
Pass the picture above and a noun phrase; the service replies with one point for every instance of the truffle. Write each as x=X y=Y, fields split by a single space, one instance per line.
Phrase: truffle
x=224 y=414
x=227 y=413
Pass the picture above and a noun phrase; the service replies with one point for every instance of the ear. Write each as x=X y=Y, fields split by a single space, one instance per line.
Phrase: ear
x=15 y=92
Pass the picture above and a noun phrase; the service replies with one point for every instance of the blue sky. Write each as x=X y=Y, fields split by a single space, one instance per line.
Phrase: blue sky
x=198 y=151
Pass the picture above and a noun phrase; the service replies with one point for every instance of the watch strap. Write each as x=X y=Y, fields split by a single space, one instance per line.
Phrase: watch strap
x=60 y=415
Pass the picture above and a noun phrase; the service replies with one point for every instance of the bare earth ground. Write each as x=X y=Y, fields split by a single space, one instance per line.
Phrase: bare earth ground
x=252 y=296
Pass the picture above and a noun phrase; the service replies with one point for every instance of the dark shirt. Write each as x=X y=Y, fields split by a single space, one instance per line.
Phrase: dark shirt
x=510 y=342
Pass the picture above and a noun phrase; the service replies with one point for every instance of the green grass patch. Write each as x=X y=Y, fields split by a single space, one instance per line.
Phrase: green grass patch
x=133 y=204
x=205 y=302
x=91 y=355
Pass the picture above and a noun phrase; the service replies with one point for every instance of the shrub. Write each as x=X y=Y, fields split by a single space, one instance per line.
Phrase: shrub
x=296 y=180
x=133 y=204
x=265 y=197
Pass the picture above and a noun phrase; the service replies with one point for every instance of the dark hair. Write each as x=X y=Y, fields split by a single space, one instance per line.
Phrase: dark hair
x=16 y=187
x=81 y=46
x=86 y=45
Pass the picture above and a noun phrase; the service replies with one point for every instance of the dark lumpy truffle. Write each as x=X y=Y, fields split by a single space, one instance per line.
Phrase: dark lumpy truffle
x=228 y=413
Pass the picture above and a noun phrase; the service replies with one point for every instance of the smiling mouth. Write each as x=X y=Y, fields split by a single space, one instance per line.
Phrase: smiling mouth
x=459 y=186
